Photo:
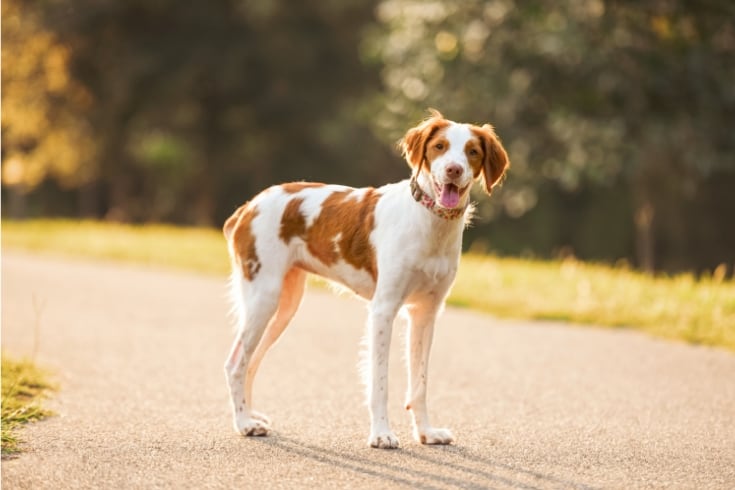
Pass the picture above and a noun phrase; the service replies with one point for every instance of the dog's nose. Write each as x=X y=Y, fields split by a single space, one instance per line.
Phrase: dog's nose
x=454 y=171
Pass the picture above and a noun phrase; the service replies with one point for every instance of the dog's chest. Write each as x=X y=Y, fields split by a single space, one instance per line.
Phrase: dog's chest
x=437 y=269
x=434 y=258
x=436 y=262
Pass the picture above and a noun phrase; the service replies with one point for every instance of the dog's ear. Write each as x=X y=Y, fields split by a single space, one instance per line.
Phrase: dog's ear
x=413 y=144
x=495 y=160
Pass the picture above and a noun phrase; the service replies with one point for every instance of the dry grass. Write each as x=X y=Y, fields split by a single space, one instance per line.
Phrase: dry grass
x=696 y=310
x=23 y=387
x=196 y=249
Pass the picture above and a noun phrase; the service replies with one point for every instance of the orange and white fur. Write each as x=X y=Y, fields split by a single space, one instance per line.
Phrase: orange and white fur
x=397 y=246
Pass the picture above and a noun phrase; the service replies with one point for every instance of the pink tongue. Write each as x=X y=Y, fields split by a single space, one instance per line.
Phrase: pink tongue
x=450 y=196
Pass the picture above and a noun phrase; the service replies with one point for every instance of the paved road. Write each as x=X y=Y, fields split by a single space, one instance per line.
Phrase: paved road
x=138 y=354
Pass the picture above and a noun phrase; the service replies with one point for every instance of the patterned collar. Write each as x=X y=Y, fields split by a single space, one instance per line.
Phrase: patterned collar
x=421 y=197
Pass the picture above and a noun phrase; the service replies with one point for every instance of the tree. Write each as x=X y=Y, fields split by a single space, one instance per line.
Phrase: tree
x=192 y=108
x=43 y=133
x=583 y=93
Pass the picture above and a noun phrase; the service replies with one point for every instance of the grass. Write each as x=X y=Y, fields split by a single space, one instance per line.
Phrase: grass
x=700 y=311
x=196 y=249
x=23 y=387
x=683 y=307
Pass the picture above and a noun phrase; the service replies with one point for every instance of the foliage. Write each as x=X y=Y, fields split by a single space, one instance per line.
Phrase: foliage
x=583 y=92
x=580 y=89
x=681 y=307
x=23 y=385
x=614 y=112
x=44 y=133
x=188 y=102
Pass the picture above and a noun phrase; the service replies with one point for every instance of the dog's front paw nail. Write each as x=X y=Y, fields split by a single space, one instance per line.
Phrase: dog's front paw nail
x=435 y=436
x=386 y=440
x=253 y=427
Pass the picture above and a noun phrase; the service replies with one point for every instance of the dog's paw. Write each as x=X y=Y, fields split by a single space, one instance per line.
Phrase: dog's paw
x=252 y=427
x=435 y=436
x=383 y=440
x=261 y=417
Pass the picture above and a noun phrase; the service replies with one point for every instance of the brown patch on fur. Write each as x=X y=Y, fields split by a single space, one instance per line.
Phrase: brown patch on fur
x=414 y=145
x=331 y=221
x=475 y=154
x=495 y=160
x=232 y=221
x=293 y=222
x=436 y=146
x=294 y=187
x=238 y=231
x=342 y=229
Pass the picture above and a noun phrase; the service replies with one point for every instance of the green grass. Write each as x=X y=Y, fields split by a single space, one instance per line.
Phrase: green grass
x=196 y=249
x=23 y=387
x=700 y=311
x=681 y=307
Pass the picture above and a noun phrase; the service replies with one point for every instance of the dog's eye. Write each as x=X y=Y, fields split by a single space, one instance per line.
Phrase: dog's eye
x=439 y=146
x=473 y=152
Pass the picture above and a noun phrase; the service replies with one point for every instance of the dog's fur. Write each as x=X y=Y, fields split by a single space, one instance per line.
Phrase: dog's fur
x=395 y=246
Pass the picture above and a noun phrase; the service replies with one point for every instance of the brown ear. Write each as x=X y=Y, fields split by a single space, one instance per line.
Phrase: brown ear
x=413 y=144
x=495 y=161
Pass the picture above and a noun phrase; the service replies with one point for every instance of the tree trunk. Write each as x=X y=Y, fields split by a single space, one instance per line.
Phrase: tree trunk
x=17 y=202
x=644 y=236
x=88 y=206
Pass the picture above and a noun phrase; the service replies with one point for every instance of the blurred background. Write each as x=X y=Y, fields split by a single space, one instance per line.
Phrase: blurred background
x=618 y=116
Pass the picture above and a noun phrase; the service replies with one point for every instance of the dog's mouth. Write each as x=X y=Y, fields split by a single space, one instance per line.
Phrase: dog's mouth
x=448 y=194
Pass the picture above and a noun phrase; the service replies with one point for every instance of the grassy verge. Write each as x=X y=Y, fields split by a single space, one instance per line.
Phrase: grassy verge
x=196 y=249
x=682 y=307
x=700 y=311
x=23 y=386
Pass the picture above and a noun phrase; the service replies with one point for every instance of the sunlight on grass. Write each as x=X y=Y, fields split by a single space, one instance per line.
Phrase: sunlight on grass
x=699 y=311
x=23 y=386
x=197 y=249
x=681 y=306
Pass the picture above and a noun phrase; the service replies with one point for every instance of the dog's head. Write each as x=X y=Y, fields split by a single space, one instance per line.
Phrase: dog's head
x=453 y=155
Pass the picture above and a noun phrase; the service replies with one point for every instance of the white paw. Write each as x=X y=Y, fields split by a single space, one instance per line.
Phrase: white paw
x=261 y=417
x=383 y=440
x=435 y=436
x=252 y=427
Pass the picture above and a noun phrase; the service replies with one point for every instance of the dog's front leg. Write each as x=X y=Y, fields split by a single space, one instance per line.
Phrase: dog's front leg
x=418 y=346
x=379 y=329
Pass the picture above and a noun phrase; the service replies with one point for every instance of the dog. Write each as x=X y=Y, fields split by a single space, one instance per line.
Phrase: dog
x=397 y=246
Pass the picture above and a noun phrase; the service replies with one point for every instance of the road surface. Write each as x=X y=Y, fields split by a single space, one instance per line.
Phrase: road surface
x=138 y=355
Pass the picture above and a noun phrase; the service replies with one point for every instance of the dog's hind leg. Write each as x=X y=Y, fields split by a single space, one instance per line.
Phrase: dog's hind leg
x=291 y=294
x=260 y=300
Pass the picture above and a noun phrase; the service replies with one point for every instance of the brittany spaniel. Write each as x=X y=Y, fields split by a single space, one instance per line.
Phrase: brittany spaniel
x=395 y=246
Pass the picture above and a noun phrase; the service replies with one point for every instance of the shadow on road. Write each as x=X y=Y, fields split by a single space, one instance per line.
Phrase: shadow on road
x=434 y=467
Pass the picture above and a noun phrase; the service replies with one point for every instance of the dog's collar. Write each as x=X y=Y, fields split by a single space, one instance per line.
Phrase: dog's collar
x=421 y=197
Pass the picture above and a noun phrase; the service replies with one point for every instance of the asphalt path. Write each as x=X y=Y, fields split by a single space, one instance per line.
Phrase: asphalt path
x=138 y=356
